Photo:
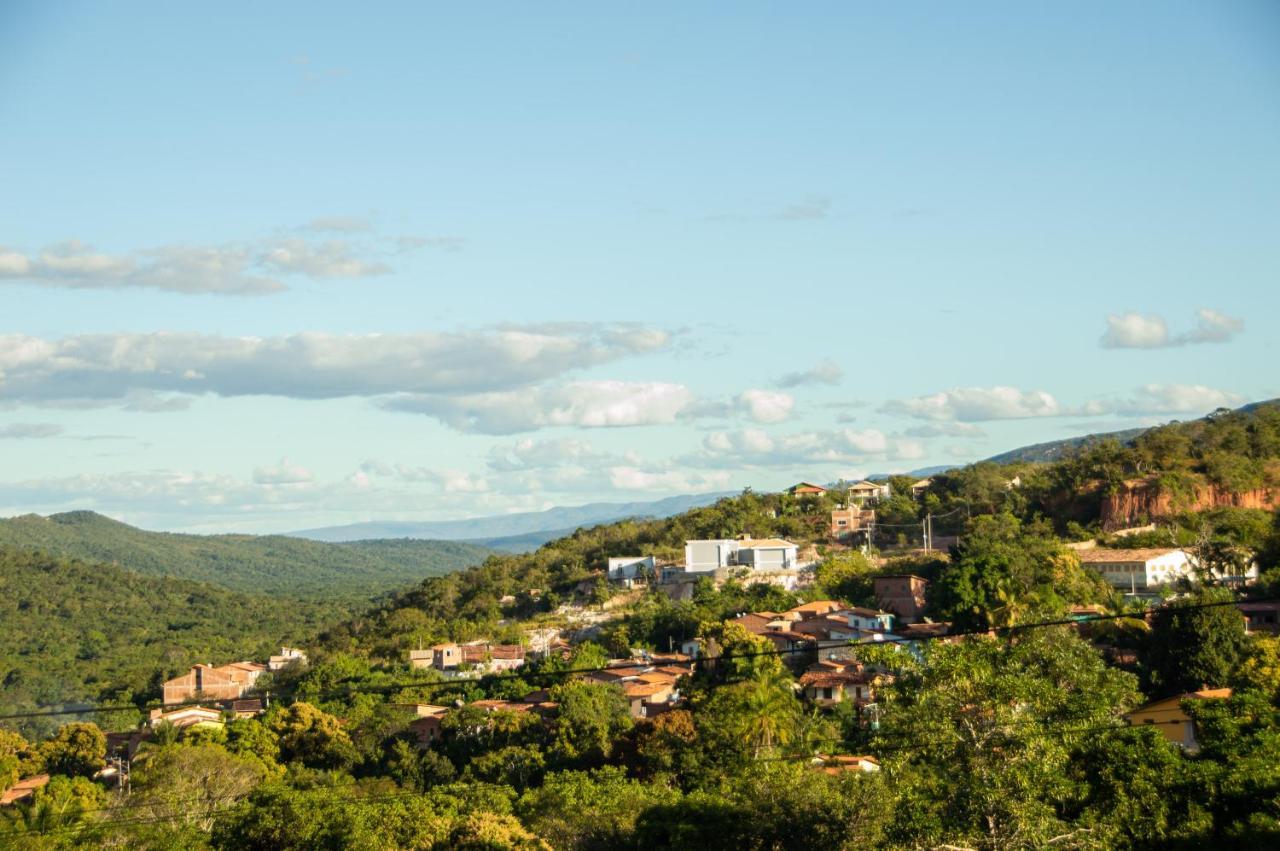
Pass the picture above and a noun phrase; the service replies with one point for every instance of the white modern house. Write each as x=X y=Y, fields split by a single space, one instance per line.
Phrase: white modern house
x=1140 y=569
x=632 y=569
x=758 y=554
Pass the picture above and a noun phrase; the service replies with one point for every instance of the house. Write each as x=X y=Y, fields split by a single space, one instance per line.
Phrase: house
x=23 y=789
x=872 y=620
x=186 y=716
x=815 y=609
x=632 y=570
x=426 y=724
x=709 y=556
x=903 y=594
x=837 y=681
x=1262 y=616
x=205 y=682
x=1173 y=721
x=868 y=491
x=757 y=554
x=845 y=522
x=1140 y=569
x=839 y=764
x=287 y=656
x=479 y=656
x=806 y=489
x=919 y=488
x=766 y=554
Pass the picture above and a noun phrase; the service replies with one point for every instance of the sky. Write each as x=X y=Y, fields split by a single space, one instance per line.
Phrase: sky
x=273 y=266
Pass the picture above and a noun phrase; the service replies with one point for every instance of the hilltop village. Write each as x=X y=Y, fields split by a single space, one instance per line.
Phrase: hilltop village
x=1006 y=637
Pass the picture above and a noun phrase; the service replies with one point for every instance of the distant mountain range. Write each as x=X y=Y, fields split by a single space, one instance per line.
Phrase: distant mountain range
x=518 y=532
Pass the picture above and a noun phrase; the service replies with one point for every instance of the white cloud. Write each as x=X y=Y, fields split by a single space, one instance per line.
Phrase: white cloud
x=117 y=367
x=284 y=473
x=826 y=372
x=26 y=431
x=1150 y=331
x=977 y=404
x=758 y=448
x=1212 y=327
x=766 y=406
x=1153 y=399
x=587 y=404
x=450 y=481
x=331 y=259
x=253 y=267
x=1135 y=331
x=529 y=454
x=633 y=478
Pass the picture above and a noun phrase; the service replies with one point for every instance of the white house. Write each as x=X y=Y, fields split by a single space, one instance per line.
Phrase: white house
x=869 y=619
x=758 y=554
x=766 y=554
x=1138 y=570
x=868 y=491
x=709 y=556
x=631 y=569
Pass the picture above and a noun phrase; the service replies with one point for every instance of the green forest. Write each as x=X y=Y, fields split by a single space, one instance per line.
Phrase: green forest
x=271 y=564
x=1011 y=732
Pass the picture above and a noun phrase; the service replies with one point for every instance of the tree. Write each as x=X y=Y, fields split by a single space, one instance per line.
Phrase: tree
x=591 y=716
x=1191 y=647
x=750 y=718
x=589 y=810
x=78 y=750
x=312 y=737
x=191 y=783
x=517 y=766
x=1259 y=669
x=846 y=576
x=17 y=759
x=418 y=769
x=981 y=735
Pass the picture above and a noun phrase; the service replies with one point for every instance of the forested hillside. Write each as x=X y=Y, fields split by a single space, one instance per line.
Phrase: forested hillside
x=78 y=632
x=272 y=564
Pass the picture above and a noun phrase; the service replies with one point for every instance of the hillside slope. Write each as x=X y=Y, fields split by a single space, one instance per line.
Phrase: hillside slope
x=78 y=632
x=271 y=564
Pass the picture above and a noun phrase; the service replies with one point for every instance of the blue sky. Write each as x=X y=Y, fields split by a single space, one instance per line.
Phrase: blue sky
x=273 y=266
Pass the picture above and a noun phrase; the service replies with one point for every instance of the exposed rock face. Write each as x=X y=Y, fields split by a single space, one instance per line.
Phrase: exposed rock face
x=1140 y=501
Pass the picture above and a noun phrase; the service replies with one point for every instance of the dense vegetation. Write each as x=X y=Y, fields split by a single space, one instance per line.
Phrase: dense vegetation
x=76 y=633
x=271 y=564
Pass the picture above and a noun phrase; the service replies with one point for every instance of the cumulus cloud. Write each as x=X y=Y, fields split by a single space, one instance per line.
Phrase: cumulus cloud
x=766 y=406
x=117 y=367
x=1151 y=399
x=758 y=448
x=977 y=404
x=1150 y=331
x=27 y=431
x=284 y=473
x=529 y=454
x=588 y=404
x=826 y=372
